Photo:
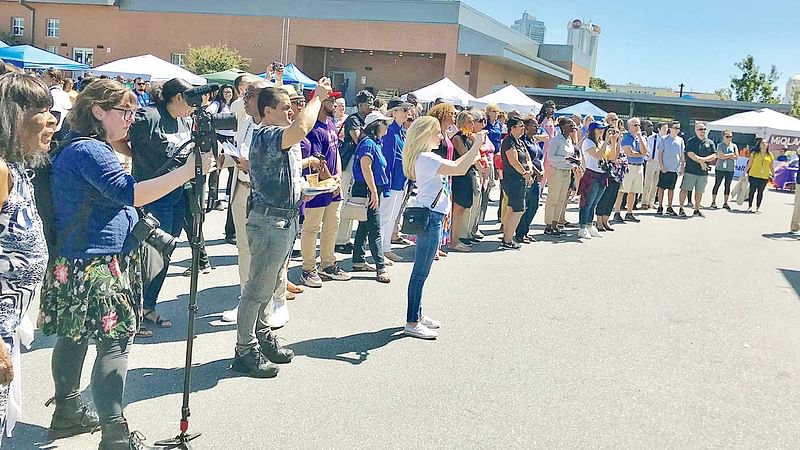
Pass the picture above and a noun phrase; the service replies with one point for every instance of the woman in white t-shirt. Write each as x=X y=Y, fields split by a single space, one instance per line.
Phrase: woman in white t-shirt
x=429 y=170
x=595 y=179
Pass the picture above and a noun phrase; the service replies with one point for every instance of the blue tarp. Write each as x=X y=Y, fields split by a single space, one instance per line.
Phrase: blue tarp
x=293 y=75
x=29 y=57
x=582 y=108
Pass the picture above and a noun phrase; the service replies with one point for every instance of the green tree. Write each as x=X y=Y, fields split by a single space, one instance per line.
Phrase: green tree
x=214 y=58
x=795 y=111
x=598 y=84
x=754 y=85
x=724 y=93
x=10 y=40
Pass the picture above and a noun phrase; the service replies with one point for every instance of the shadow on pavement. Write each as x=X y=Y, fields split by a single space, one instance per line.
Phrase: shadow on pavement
x=786 y=236
x=216 y=261
x=793 y=277
x=28 y=436
x=337 y=348
x=147 y=383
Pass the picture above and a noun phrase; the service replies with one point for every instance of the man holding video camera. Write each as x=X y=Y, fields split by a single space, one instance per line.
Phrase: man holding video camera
x=272 y=222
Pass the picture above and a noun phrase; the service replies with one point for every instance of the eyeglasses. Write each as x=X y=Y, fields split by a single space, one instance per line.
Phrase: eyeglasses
x=299 y=102
x=702 y=129
x=727 y=136
x=127 y=114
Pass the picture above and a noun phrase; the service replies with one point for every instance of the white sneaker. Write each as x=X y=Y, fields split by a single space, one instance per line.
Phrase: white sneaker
x=430 y=323
x=420 y=331
x=279 y=316
x=583 y=233
x=593 y=232
x=230 y=315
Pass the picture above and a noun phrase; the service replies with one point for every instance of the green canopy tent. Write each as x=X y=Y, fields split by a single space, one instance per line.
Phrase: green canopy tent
x=226 y=76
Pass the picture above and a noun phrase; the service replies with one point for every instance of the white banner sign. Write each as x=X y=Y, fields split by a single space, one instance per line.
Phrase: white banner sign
x=741 y=164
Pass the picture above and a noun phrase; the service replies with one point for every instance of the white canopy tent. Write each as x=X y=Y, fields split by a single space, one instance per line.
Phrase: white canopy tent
x=509 y=98
x=148 y=67
x=763 y=123
x=445 y=89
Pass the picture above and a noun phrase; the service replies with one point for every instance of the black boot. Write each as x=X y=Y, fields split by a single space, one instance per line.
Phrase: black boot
x=71 y=418
x=273 y=351
x=117 y=436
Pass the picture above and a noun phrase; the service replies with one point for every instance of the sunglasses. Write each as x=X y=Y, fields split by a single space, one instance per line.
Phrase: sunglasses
x=702 y=129
x=299 y=102
x=728 y=137
x=127 y=114
x=140 y=84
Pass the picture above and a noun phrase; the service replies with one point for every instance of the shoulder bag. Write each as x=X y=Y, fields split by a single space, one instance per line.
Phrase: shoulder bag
x=416 y=219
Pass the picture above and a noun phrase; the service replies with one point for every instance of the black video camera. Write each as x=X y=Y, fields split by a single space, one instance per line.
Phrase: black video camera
x=147 y=230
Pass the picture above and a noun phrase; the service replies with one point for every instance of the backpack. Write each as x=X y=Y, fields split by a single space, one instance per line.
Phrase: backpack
x=43 y=196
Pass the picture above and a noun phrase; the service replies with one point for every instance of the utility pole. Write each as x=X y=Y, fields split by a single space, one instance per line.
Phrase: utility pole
x=681 y=86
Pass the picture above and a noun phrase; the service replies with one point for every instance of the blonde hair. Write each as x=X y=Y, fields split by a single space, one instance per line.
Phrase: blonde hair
x=461 y=118
x=417 y=138
x=492 y=107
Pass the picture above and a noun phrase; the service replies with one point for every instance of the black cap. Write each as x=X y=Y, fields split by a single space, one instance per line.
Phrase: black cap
x=397 y=102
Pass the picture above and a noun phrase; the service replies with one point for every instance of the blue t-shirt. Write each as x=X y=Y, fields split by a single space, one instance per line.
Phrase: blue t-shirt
x=629 y=141
x=535 y=149
x=392 y=147
x=89 y=169
x=368 y=147
x=495 y=133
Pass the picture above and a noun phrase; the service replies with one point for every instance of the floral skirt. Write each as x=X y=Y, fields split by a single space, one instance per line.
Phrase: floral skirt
x=95 y=298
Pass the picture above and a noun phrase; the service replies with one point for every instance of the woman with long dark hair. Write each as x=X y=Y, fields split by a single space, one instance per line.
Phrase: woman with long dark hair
x=595 y=180
x=26 y=129
x=759 y=171
x=93 y=286
x=370 y=181
x=222 y=105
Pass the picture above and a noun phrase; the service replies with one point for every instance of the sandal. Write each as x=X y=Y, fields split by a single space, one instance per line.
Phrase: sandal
x=383 y=277
x=158 y=321
x=294 y=289
x=144 y=332
x=363 y=267
x=290 y=295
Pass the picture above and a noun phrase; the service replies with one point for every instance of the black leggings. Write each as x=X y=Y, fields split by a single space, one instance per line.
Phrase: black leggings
x=756 y=185
x=606 y=204
x=719 y=176
x=108 y=374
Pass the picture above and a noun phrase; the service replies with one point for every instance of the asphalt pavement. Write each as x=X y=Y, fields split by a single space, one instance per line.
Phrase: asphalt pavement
x=670 y=333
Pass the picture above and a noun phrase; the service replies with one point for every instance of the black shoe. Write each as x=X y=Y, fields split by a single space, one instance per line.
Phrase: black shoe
x=660 y=211
x=714 y=206
x=344 y=248
x=618 y=218
x=631 y=218
x=117 y=436
x=549 y=231
x=254 y=364
x=218 y=206
x=681 y=213
x=698 y=213
x=230 y=240
x=510 y=245
x=71 y=418
x=273 y=351
x=726 y=206
x=466 y=242
x=671 y=212
x=204 y=269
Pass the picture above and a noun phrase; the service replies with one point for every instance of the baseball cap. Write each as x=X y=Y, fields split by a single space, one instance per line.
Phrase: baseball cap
x=397 y=102
x=375 y=116
x=597 y=125
x=293 y=94
x=332 y=94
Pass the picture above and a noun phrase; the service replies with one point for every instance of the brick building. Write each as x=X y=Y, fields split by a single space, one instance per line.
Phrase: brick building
x=392 y=44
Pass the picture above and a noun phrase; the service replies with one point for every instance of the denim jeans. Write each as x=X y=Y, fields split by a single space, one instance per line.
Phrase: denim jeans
x=368 y=232
x=531 y=206
x=108 y=374
x=170 y=212
x=607 y=199
x=593 y=195
x=427 y=245
x=271 y=240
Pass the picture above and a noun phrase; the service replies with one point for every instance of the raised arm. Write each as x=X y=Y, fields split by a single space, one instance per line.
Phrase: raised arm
x=305 y=121
x=462 y=164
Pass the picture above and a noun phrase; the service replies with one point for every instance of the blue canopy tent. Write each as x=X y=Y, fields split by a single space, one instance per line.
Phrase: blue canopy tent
x=3 y=44
x=293 y=75
x=29 y=57
x=583 y=109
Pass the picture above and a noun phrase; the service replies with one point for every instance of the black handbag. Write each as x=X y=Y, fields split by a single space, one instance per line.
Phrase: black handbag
x=416 y=219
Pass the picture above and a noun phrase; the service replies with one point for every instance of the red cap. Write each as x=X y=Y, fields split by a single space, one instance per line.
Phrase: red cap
x=332 y=94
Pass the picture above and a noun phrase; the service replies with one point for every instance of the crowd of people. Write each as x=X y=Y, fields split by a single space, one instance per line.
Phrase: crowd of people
x=396 y=165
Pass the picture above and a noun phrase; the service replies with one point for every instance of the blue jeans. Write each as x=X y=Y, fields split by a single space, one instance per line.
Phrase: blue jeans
x=427 y=246
x=593 y=196
x=531 y=206
x=170 y=211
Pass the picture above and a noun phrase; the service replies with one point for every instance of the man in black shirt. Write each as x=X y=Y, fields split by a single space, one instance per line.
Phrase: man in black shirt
x=700 y=153
x=352 y=132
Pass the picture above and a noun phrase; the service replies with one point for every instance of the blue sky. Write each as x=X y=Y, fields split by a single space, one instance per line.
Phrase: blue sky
x=694 y=42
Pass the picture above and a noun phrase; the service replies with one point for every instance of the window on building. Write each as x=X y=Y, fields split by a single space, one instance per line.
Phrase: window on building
x=179 y=59
x=52 y=49
x=53 y=28
x=83 y=55
x=17 y=26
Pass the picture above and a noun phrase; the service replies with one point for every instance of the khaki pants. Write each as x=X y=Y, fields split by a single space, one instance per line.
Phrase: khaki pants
x=326 y=220
x=345 y=226
x=795 y=226
x=651 y=173
x=557 y=195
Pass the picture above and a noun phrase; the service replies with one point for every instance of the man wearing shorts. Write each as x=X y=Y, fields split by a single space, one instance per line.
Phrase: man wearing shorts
x=670 y=159
x=700 y=152
x=634 y=144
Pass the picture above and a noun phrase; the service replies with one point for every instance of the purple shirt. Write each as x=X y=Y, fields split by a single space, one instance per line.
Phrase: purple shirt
x=323 y=139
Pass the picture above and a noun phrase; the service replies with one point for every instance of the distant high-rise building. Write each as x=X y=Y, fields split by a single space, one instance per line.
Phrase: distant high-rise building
x=529 y=26
x=586 y=38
